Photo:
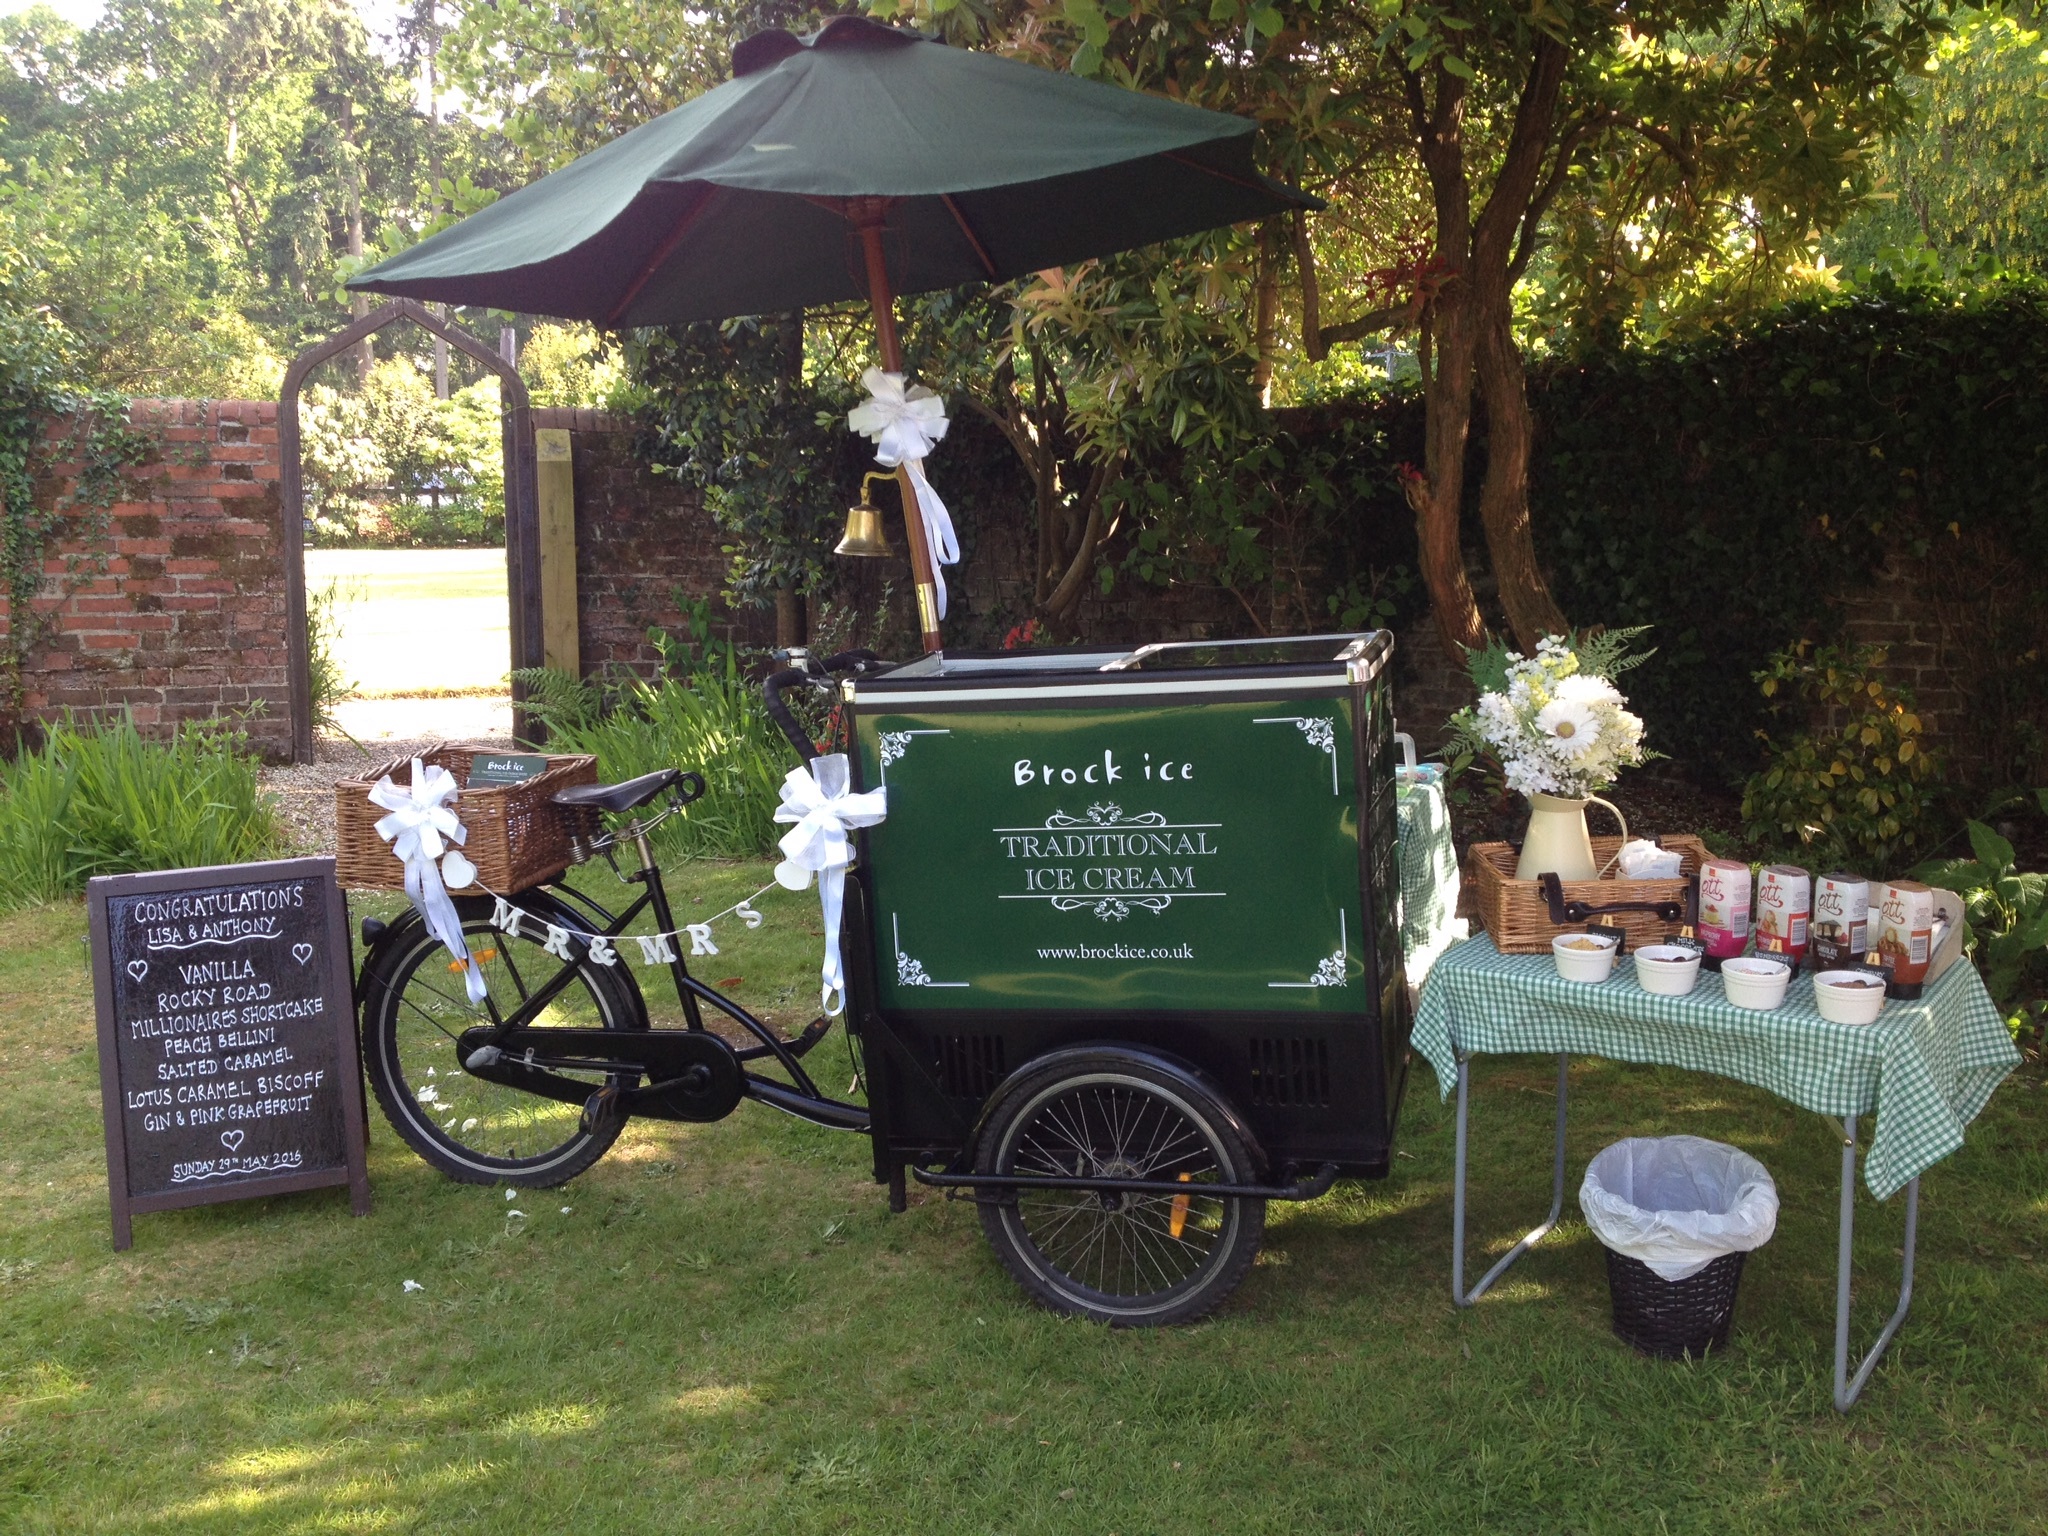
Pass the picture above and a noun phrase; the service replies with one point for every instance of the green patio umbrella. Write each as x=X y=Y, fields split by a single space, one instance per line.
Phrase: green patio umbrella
x=860 y=162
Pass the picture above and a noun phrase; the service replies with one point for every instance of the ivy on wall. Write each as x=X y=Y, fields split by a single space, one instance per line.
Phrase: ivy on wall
x=33 y=369
x=1732 y=490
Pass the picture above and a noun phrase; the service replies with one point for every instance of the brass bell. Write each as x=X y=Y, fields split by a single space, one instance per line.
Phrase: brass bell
x=864 y=535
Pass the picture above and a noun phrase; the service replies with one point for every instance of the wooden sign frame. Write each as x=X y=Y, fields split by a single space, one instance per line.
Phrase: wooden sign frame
x=338 y=987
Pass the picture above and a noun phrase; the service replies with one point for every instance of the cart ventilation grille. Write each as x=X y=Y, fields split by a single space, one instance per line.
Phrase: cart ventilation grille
x=972 y=1066
x=1290 y=1073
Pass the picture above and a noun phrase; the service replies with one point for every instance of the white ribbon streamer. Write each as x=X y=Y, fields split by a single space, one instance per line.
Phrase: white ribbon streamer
x=905 y=424
x=419 y=830
x=818 y=799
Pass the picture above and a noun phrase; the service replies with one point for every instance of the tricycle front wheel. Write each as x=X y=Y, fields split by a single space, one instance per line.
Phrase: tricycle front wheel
x=1130 y=1260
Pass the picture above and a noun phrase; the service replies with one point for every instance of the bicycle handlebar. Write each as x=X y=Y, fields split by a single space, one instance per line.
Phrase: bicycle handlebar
x=779 y=712
x=811 y=673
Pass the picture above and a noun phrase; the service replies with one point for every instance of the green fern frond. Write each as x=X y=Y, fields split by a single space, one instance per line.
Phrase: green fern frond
x=1607 y=654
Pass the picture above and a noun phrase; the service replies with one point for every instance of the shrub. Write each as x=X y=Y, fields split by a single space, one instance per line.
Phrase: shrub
x=100 y=799
x=2008 y=921
x=702 y=714
x=1851 y=781
x=329 y=684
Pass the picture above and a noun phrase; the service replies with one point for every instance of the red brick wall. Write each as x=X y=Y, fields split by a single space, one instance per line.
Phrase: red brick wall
x=171 y=603
x=1893 y=612
x=644 y=546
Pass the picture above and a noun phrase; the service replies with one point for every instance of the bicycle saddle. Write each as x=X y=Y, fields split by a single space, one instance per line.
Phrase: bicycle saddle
x=620 y=797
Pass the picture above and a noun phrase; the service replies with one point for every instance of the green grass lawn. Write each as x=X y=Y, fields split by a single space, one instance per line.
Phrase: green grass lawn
x=720 y=1328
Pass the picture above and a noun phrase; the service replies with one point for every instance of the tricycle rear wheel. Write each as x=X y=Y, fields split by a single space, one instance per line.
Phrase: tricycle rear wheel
x=414 y=1014
x=1130 y=1260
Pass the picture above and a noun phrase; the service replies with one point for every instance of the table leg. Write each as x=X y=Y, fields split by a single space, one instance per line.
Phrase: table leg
x=1846 y=1390
x=1458 y=1292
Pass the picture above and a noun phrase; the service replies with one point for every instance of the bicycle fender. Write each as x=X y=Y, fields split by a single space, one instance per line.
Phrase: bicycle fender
x=1164 y=1062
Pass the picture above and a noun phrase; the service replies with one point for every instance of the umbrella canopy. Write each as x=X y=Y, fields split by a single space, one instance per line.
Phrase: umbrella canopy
x=749 y=199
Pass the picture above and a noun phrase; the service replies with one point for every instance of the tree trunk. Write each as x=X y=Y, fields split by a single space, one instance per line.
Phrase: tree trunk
x=1267 y=312
x=359 y=304
x=1447 y=421
x=1504 y=495
x=790 y=628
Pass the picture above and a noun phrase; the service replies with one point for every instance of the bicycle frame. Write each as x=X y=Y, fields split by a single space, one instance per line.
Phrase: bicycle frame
x=692 y=1073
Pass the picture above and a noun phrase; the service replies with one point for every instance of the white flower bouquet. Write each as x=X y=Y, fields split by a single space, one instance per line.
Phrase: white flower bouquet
x=1555 y=721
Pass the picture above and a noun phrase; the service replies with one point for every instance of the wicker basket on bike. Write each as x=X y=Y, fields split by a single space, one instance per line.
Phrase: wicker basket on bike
x=517 y=838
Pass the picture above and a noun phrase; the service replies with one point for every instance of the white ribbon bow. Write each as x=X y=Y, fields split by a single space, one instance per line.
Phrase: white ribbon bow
x=818 y=800
x=419 y=822
x=905 y=424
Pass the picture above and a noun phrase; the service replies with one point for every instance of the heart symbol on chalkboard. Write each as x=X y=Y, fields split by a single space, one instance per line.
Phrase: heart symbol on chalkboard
x=302 y=953
x=232 y=1140
x=138 y=969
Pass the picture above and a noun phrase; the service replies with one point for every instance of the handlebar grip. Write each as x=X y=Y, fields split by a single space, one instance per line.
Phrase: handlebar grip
x=779 y=712
x=857 y=660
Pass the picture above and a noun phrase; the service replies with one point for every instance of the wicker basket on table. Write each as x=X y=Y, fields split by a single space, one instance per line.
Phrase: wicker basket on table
x=1517 y=914
x=516 y=837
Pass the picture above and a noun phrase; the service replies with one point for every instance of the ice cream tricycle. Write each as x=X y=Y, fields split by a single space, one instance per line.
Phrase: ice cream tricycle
x=1121 y=960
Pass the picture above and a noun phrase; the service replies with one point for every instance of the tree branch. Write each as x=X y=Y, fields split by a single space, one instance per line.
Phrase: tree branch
x=1539 y=204
x=1368 y=324
x=1012 y=433
x=1500 y=221
x=1068 y=592
x=1317 y=338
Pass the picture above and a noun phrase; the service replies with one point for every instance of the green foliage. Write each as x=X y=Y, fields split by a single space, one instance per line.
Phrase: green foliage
x=1964 y=183
x=188 y=175
x=732 y=409
x=569 y=365
x=100 y=799
x=1733 y=489
x=390 y=463
x=701 y=713
x=329 y=684
x=561 y=80
x=2008 y=920
x=1849 y=780
x=38 y=361
x=1298 y=521
x=1607 y=652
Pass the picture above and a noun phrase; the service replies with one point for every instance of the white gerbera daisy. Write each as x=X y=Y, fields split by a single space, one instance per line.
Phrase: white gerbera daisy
x=1572 y=728
x=1583 y=688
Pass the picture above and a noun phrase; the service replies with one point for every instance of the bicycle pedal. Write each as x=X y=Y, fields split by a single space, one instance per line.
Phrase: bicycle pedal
x=603 y=1109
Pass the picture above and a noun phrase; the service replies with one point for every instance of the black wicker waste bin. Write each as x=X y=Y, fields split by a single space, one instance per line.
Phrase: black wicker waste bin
x=1684 y=1207
x=1670 y=1319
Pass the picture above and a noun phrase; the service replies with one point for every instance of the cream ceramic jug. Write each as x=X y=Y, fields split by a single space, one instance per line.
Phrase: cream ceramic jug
x=1557 y=841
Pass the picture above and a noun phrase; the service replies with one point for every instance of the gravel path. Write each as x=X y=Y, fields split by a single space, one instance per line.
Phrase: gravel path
x=305 y=791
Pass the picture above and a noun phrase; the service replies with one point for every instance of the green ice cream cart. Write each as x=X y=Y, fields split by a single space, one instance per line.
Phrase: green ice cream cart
x=1132 y=960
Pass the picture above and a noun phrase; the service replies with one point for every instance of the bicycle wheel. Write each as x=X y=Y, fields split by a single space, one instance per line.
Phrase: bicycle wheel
x=1131 y=1260
x=415 y=1009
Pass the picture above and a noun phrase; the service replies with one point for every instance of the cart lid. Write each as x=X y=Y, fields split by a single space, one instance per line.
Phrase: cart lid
x=1213 y=668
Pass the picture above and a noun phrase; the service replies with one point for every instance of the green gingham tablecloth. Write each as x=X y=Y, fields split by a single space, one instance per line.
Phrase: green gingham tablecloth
x=1925 y=1068
x=1429 y=876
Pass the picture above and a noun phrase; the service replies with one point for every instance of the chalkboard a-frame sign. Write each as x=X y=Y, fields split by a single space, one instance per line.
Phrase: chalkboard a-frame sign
x=227 y=1036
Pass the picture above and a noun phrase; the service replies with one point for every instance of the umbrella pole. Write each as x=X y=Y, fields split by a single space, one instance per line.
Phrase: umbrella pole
x=868 y=220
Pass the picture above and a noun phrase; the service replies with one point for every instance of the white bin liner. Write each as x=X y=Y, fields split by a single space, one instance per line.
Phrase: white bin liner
x=1678 y=1202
